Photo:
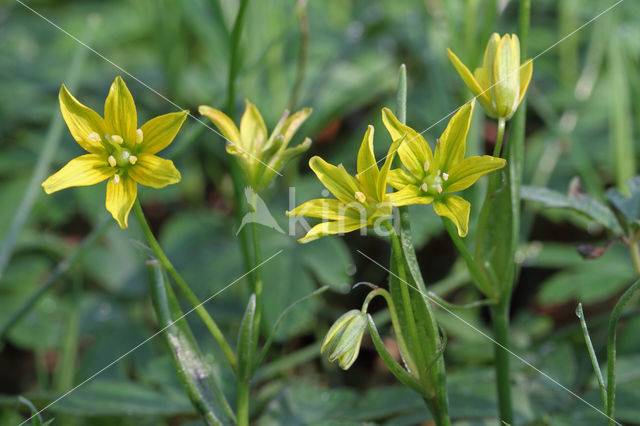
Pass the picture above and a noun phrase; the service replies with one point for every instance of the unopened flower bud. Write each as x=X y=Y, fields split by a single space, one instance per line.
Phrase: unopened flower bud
x=342 y=342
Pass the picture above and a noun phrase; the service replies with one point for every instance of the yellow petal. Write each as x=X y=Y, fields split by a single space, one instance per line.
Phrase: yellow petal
x=399 y=178
x=506 y=89
x=367 y=167
x=252 y=128
x=154 y=171
x=85 y=170
x=330 y=228
x=414 y=151
x=160 y=131
x=453 y=142
x=526 y=70
x=335 y=179
x=408 y=195
x=82 y=121
x=467 y=77
x=489 y=57
x=329 y=209
x=120 y=112
x=120 y=199
x=455 y=208
x=468 y=171
x=384 y=171
x=223 y=123
x=292 y=124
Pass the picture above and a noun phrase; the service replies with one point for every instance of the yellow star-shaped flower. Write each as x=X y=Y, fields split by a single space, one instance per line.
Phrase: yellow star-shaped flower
x=433 y=177
x=118 y=150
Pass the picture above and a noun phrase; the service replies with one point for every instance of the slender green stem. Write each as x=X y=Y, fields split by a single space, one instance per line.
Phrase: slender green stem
x=234 y=61
x=611 y=350
x=257 y=258
x=243 y=403
x=635 y=252
x=303 y=56
x=499 y=138
x=60 y=269
x=184 y=287
x=406 y=355
x=500 y=318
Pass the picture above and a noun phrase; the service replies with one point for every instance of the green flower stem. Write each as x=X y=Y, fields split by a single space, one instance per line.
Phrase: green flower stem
x=257 y=283
x=611 y=350
x=234 y=60
x=592 y=355
x=406 y=355
x=499 y=137
x=500 y=319
x=406 y=298
x=60 y=270
x=303 y=56
x=243 y=403
x=635 y=252
x=184 y=287
x=476 y=274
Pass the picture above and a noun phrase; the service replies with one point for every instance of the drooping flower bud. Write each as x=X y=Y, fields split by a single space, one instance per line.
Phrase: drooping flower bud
x=342 y=342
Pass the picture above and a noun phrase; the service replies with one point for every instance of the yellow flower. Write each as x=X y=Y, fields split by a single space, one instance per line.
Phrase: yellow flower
x=501 y=82
x=361 y=200
x=260 y=157
x=118 y=150
x=433 y=177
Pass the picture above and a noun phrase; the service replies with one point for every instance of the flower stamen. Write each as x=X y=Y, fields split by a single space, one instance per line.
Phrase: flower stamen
x=139 y=136
x=117 y=139
x=116 y=178
x=112 y=161
x=445 y=176
x=360 y=196
x=94 y=137
x=424 y=187
x=133 y=159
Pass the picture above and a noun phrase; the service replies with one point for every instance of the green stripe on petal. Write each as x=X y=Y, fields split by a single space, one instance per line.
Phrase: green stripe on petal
x=85 y=170
x=468 y=171
x=326 y=208
x=223 y=123
x=367 y=167
x=455 y=208
x=408 y=195
x=160 y=131
x=384 y=171
x=154 y=171
x=331 y=228
x=120 y=199
x=120 y=112
x=526 y=70
x=252 y=129
x=414 y=151
x=335 y=179
x=453 y=142
x=82 y=121
x=506 y=91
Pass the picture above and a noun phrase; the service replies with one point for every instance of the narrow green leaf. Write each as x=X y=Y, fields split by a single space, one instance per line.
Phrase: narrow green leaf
x=194 y=373
x=246 y=344
x=592 y=354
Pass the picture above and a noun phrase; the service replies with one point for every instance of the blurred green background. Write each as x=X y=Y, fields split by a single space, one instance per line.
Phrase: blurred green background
x=340 y=57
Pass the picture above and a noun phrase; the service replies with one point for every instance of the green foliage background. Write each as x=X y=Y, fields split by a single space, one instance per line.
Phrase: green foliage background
x=584 y=110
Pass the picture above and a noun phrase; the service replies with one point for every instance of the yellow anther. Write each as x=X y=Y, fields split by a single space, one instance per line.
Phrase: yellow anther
x=424 y=187
x=112 y=161
x=133 y=159
x=139 y=136
x=116 y=178
x=125 y=155
x=426 y=166
x=445 y=176
x=360 y=196
x=94 y=137
x=117 y=139
x=439 y=189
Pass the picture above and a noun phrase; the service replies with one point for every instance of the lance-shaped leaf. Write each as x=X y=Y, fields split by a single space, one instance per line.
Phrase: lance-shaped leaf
x=194 y=373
